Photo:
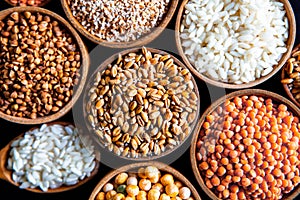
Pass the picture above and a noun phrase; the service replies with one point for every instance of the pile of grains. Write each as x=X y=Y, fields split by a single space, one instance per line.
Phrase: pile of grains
x=234 y=41
x=27 y=2
x=148 y=183
x=49 y=157
x=292 y=74
x=39 y=65
x=118 y=20
x=248 y=148
x=143 y=104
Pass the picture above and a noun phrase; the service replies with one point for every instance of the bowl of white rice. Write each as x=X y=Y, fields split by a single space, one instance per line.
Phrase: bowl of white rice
x=235 y=44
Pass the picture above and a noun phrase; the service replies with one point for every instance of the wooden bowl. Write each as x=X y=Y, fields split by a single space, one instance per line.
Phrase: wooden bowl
x=85 y=63
x=276 y=68
x=127 y=159
x=18 y=4
x=258 y=92
x=143 y=40
x=6 y=174
x=133 y=168
x=285 y=75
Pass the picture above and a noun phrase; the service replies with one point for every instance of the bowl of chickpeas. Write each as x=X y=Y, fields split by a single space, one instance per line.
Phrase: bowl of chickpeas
x=144 y=181
x=248 y=147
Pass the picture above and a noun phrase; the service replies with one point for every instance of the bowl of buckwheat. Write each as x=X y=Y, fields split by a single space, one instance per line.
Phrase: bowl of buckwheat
x=44 y=65
x=141 y=104
x=120 y=24
x=235 y=45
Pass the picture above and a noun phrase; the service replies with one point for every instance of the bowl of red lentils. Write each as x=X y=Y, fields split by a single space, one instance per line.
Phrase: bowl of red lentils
x=44 y=65
x=39 y=3
x=248 y=147
x=144 y=181
x=120 y=24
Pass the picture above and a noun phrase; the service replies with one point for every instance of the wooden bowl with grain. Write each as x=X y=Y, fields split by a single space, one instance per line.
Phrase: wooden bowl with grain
x=217 y=57
x=44 y=77
x=132 y=102
x=39 y=3
x=138 y=170
x=289 y=76
x=230 y=155
x=126 y=39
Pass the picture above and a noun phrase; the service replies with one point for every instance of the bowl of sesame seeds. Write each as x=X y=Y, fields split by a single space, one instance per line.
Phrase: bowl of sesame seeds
x=120 y=24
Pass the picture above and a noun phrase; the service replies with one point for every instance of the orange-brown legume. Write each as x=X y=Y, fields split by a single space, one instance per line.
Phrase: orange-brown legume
x=256 y=154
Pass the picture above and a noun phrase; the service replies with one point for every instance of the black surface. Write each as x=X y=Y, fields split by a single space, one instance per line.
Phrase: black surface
x=166 y=42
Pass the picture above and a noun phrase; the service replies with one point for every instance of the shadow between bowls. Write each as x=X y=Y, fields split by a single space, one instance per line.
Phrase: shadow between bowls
x=143 y=40
x=285 y=56
x=6 y=174
x=109 y=157
x=258 y=92
x=84 y=68
x=284 y=75
x=134 y=168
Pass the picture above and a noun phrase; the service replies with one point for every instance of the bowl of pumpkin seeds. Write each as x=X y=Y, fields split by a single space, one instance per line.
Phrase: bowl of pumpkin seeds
x=141 y=104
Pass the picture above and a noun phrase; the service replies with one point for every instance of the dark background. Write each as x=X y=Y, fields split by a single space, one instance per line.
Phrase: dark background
x=166 y=42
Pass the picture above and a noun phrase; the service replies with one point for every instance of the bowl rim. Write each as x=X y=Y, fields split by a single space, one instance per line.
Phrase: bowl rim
x=84 y=68
x=143 y=40
x=283 y=75
x=289 y=45
x=102 y=67
x=160 y=165
x=258 y=92
x=45 y=2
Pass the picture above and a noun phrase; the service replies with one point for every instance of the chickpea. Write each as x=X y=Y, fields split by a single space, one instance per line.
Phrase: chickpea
x=141 y=172
x=178 y=184
x=164 y=196
x=132 y=180
x=172 y=190
x=151 y=172
x=167 y=179
x=100 y=196
x=145 y=184
x=119 y=196
x=129 y=198
x=153 y=194
x=121 y=178
x=158 y=186
x=108 y=187
x=132 y=190
x=110 y=194
x=215 y=181
x=142 y=195
x=184 y=192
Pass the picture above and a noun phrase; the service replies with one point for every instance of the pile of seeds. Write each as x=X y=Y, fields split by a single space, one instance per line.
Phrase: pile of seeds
x=248 y=148
x=39 y=65
x=49 y=157
x=143 y=104
x=292 y=72
x=148 y=183
x=118 y=20
x=27 y=2
x=234 y=41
